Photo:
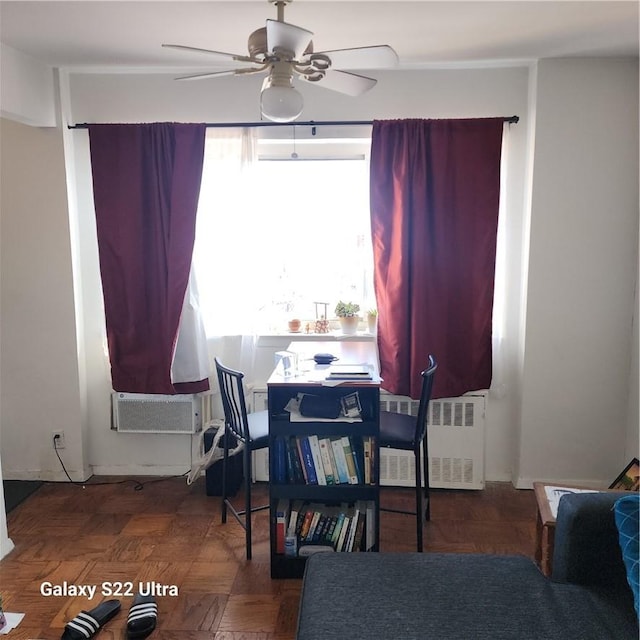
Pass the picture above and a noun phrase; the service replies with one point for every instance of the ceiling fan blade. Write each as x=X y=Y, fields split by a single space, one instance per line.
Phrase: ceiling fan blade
x=376 y=57
x=282 y=35
x=204 y=76
x=344 y=82
x=219 y=54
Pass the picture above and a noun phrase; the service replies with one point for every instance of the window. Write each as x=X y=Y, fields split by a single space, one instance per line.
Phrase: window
x=276 y=234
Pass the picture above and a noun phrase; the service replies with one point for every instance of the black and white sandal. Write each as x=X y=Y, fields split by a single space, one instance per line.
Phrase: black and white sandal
x=87 y=623
x=143 y=616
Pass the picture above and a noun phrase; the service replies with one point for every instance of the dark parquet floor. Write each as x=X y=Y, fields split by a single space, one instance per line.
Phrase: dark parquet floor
x=167 y=536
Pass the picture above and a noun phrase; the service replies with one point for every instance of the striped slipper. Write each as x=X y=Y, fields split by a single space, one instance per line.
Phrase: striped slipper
x=142 y=617
x=87 y=623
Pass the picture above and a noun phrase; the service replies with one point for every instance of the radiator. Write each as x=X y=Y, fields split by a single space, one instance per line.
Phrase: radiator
x=147 y=413
x=455 y=437
x=455 y=434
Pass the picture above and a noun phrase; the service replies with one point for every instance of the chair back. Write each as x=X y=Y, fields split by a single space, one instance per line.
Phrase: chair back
x=233 y=402
x=425 y=397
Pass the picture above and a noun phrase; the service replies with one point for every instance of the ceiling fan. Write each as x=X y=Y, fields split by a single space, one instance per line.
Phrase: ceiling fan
x=283 y=50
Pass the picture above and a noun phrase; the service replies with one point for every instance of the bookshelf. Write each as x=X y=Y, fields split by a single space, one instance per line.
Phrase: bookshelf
x=324 y=471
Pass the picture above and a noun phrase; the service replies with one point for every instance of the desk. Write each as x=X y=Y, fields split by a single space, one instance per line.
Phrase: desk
x=347 y=352
x=360 y=497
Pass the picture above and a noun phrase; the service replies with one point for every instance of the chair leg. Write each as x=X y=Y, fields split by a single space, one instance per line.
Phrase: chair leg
x=247 y=500
x=225 y=466
x=427 y=493
x=418 y=499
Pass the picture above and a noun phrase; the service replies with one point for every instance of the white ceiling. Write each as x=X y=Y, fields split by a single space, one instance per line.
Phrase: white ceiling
x=129 y=34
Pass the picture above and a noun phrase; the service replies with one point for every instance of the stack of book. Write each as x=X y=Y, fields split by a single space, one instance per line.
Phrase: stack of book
x=322 y=527
x=350 y=372
x=324 y=460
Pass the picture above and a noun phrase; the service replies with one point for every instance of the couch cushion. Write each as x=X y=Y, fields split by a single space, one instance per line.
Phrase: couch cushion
x=406 y=596
x=628 y=523
x=586 y=549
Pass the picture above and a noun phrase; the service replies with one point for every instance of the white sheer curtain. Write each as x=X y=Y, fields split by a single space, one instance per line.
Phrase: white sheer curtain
x=190 y=358
x=220 y=253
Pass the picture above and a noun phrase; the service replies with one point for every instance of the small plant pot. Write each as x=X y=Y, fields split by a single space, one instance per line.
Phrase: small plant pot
x=372 y=323
x=349 y=324
x=294 y=325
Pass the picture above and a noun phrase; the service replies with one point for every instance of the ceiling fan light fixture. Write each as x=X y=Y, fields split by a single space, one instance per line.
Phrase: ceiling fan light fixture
x=280 y=101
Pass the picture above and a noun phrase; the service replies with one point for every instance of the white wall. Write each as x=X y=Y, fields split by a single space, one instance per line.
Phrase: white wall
x=582 y=272
x=6 y=544
x=26 y=89
x=39 y=390
x=134 y=98
x=632 y=448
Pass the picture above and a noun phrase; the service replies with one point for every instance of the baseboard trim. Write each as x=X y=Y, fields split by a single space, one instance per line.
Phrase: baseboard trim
x=140 y=470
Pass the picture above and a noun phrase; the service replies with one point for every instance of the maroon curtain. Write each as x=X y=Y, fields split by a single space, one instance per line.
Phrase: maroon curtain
x=146 y=183
x=435 y=188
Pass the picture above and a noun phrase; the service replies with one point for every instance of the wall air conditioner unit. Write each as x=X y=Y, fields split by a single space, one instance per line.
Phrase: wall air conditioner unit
x=456 y=442
x=151 y=413
x=455 y=428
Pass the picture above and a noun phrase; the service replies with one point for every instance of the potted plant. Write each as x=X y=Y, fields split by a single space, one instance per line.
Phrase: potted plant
x=372 y=320
x=347 y=313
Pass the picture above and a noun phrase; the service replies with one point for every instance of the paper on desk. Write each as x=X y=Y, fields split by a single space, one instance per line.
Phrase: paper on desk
x=555 y=493
x=13 y=620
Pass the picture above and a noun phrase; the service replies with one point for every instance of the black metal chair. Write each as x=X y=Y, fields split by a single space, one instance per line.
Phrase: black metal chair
x=409 y=433
x=252 y=430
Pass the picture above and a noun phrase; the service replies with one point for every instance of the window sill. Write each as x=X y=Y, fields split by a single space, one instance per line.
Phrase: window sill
x=276 y=339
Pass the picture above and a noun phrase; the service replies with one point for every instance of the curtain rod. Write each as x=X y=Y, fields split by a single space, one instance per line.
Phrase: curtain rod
x=309 y=123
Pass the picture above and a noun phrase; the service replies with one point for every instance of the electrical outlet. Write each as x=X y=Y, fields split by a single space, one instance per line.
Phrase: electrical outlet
x=58 y=439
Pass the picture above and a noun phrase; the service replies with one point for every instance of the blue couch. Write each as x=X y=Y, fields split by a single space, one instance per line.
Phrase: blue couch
x=432 y=596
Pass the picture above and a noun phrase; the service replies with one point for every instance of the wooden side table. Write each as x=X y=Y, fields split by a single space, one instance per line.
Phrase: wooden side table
x=545 y=530
x=546 y=522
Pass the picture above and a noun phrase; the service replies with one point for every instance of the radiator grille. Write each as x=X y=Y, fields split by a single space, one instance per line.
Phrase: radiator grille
x=456 y=443
x=146 y=413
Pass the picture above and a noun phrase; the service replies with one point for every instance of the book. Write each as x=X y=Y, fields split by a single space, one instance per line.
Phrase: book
x=337 y=528
x=330 y=528
x=282 y=517
x=351 y=465
x=307 y=458
x=289 y=453
x=343 y=533
x=312 y=526
x=358 y=457
x=359 y=533
x=296 y=463
x=306 y=523
x=303 y=466
x=325 y=446
x=367 y=447
x=296 y=508
x=279 y=463
x=372 y=460
x=341 y=460
x=353 y=525
x=334 y=464
x=365 y=533
x=302 y=512
x=370 y=526
x=314 y=443
x=349 y=372
x=319 y=530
